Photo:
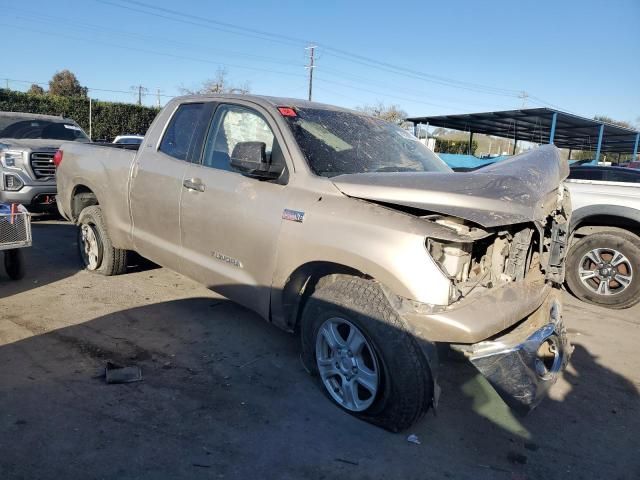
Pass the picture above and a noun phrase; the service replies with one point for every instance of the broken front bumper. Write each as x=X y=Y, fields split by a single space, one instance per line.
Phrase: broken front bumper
x=524 y=363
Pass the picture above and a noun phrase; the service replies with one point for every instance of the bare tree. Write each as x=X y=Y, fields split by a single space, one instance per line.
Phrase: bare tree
x=35 y=89
x=620 y=123
x=65 y=83
x=390 y=113
x=218 y=84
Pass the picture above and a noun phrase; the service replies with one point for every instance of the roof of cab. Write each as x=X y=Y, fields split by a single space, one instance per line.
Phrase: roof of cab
x=267 y=101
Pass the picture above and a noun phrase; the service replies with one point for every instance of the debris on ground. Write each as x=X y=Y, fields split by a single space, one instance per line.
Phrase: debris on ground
x=344 y=460
x=115 y=373
x=413 y=439
x=515 y=457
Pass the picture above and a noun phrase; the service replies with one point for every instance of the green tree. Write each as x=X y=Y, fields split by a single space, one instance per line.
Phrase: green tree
x=35 y=89
x=65 y=84
x=109 y=119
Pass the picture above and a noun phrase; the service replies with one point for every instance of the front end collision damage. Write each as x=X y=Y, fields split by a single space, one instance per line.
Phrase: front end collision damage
x=524 y=363
x=512 y=258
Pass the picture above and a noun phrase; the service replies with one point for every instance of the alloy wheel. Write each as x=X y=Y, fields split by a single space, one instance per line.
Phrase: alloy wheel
x=347 y=364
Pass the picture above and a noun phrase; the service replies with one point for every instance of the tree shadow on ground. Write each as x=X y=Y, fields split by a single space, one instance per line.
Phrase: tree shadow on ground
x=225 y=395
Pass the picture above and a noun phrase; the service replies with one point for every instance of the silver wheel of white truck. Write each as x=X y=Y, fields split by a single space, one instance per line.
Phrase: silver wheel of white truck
x=604 y=268
x=366 y=360
x=94 y=244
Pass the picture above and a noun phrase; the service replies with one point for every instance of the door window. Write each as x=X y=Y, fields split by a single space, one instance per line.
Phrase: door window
x=231 y=125
x=183 y=130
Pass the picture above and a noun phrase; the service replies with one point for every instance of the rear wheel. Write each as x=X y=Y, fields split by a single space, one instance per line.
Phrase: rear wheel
x=94 y=244
x=366 y=360
x=604 y=268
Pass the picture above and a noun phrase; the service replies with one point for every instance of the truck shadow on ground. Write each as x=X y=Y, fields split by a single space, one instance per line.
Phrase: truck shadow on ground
x=224 y=394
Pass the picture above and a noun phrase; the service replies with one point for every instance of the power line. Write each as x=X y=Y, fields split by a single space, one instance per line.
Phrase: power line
x=356 y=58
x=153 y=52
x=203 y=22
x=236 y=29
x=91 y=89
x=48 y=19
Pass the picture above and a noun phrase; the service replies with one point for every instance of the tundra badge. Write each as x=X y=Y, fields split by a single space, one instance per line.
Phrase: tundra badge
x=292 y=215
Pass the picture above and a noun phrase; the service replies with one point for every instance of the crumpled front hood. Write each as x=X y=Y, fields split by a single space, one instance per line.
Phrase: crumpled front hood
x=508 y=192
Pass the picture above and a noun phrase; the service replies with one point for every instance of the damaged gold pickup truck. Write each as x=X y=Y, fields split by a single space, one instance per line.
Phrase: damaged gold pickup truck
x=348 y=230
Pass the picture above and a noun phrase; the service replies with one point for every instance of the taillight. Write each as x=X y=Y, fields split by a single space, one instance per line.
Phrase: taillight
x=57 y=158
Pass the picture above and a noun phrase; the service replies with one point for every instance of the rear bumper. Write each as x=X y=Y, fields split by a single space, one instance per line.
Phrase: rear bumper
x=524 y=363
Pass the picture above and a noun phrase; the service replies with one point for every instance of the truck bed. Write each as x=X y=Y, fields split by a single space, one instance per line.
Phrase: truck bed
x=105 y=171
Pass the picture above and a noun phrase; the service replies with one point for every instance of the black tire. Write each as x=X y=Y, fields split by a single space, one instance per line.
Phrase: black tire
x=14 y=264
x=620 y=241
x=406 y=387
x=110 y=260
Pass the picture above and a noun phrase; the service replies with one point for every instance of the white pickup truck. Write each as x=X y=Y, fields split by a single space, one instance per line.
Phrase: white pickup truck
x=603 y=264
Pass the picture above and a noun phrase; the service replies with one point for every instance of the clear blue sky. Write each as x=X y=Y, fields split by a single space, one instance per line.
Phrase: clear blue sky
x=434 y=57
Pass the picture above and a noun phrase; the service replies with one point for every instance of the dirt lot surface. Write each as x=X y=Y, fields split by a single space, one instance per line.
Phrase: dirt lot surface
x=224 y=394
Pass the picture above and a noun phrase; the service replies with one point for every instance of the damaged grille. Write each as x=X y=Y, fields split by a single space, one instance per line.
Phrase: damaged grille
x=42 y=164
x=509 y=254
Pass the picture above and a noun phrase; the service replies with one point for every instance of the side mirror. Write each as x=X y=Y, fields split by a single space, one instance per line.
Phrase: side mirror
x=250 y=159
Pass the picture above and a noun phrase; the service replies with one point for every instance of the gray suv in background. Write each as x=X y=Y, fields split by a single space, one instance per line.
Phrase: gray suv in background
x=28 y=143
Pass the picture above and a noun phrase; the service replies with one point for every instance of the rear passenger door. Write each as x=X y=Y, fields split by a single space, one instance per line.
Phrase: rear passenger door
x=156 y=183
x=230 y=223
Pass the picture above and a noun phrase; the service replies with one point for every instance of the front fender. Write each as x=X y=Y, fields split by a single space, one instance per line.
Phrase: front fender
x=581 y=214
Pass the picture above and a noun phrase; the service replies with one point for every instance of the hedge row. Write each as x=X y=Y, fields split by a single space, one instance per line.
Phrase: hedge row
x=109 y=119
x=455 y=146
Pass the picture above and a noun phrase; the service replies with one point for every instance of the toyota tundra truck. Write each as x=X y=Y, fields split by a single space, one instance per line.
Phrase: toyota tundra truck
x=347 y=230
x=27 y=144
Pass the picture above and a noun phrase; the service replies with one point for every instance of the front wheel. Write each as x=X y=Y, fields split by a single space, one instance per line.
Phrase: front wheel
x=604 y=268
x=366 y=360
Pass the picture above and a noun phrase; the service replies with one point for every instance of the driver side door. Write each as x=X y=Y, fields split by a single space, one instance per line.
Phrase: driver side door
x=230 y=223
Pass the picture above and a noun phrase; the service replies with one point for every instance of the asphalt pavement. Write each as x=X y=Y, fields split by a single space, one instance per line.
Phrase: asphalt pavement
x=224 y=394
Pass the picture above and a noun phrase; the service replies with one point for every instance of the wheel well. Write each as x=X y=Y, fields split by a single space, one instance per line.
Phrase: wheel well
x=601 y=223
x=82 y=198
x=304 y=281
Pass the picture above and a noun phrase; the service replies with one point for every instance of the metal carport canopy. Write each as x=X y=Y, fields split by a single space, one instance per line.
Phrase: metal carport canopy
x=536 y=125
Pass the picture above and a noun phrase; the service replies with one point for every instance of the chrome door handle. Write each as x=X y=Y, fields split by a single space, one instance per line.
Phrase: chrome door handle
x=193 y=184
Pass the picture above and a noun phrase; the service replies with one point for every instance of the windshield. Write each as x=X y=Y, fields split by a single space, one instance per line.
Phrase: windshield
x=337 y=142
x=36 y=128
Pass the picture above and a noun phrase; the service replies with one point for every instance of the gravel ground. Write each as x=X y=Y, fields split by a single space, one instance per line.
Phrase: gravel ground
x=224 y=394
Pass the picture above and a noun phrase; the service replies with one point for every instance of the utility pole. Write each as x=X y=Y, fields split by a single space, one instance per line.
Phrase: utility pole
x=90 y=115
x=140 y=91
x=7 y=82
x=523 y=95
x=158 y=93
x=311 y=66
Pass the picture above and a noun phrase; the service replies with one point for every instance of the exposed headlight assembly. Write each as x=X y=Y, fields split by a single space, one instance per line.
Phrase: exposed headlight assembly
x=453 y=258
